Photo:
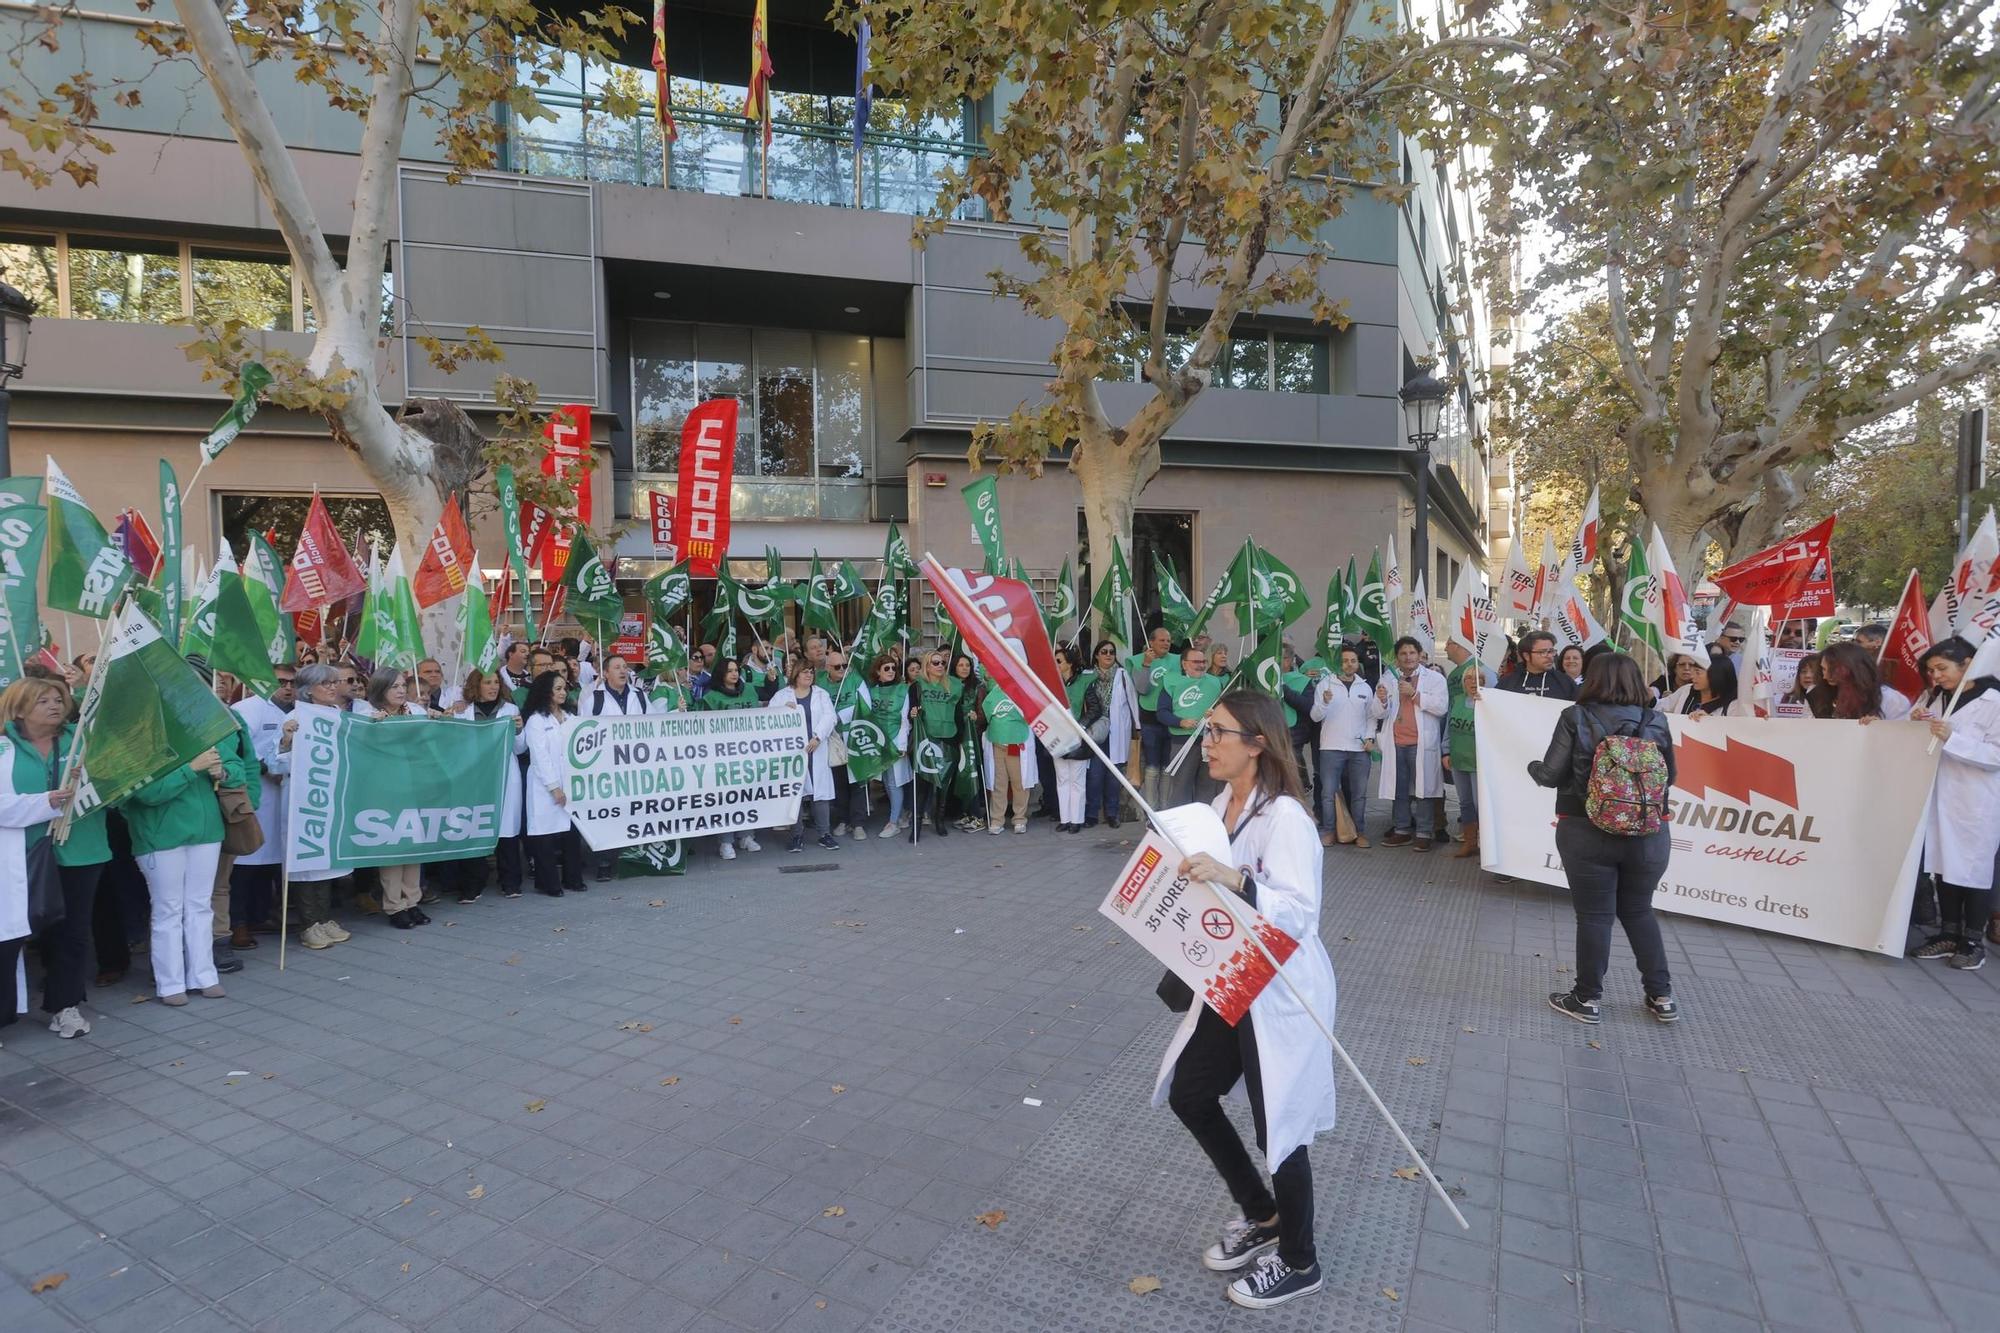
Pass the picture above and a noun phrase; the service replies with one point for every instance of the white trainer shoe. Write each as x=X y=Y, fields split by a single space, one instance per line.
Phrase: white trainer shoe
x=70 y=1023
x=728 y=850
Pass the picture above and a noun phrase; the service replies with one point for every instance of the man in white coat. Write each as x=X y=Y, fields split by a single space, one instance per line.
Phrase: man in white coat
x=1410 y=705
x=253 y=880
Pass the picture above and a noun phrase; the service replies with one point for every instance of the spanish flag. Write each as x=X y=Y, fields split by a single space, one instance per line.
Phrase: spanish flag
x=757 y=102
x=664 y=103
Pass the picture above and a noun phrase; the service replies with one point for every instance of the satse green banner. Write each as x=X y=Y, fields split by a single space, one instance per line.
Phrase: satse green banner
x=392 y=791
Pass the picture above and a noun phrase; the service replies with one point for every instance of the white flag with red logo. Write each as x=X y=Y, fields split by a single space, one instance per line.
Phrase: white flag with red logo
x=1517 y=584
x=1421 y=627
x=1392 y=581
x=1475 y=621
x=1670 y=611
x=1974 y=576
x=1570 y=619
x=1003 y=630
x=1546 y=577
x=447 y=562
x=1909 y=639
x=1583 y=548
x=321 y=571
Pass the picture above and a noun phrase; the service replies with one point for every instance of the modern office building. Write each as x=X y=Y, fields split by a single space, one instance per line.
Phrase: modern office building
x=640 y=283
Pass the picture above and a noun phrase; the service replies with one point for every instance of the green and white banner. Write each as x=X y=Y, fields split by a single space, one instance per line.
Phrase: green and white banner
x=251 y=381
x=679 y=775
x=23 y=525
x=393 y=791
x=87 y=570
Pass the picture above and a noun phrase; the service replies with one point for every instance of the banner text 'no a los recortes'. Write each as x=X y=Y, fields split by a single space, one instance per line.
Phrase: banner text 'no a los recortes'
x=681 y=775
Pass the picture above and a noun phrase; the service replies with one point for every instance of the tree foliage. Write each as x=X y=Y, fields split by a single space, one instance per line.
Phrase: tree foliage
x=1777 y=201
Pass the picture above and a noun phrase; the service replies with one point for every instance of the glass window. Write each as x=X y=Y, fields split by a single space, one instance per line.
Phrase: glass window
x=1245 y=363
x=252 y=286
x=845 y=434
x=722 y=370
x=784 y=403
x=28 y=263
x=133 y=281
x=1298 y=364
x=663 y=393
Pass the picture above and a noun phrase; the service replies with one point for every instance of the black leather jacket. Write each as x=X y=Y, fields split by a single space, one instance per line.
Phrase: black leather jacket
x=1566 y=766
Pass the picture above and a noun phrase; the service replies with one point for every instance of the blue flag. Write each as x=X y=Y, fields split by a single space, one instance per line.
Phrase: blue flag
x=863 y=90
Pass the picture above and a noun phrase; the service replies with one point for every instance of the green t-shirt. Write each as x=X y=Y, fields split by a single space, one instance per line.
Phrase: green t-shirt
x=1192 y=696
x=1297 y=682
x=1155 y=675
x=1458 y=718
x=88 y=843
x=714 y=700
x=1078 y=689
x=1004 y=723
x=937 y=706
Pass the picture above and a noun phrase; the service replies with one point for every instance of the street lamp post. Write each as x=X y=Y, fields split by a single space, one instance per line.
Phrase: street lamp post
x=16 y=311
x=1423 y=404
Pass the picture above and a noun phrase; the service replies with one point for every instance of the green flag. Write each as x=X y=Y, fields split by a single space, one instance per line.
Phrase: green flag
x=145 y=714
x=847 y=584
x=1632 y=609
x=264 y=581
x=1350 y=599
x=1277 y=593
x=1177 y=610
x=510 y=527
x=668 y=592
x=237 y=644
x=408 y=648
x=1114 y=593
x=774 y=570
x=368 y=638
x=1263 y=667
x=982 y=501
x=23 y=528
x=251 y=381
x=198 y=624
x=168 y=578
x=664 y=650
x=478 y=645
x=886 y=625
x=817 y=604
x=1232 y=589
x=896 y=561
x=724 y=609
x=871 y=735
x=593 y=595
x=87 y=570
x=1372 y=609
x=1331 y=632
x=1062 y=602
x=968 y=768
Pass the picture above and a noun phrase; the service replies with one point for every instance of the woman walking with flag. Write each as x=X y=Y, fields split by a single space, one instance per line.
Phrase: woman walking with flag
x=1276 y=1051
x=888 y=709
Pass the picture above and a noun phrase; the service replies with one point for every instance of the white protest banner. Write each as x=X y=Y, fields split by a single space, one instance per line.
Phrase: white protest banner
x=679 y=775
x=1784 y=678
x=1181 y=923
x=1770 y=826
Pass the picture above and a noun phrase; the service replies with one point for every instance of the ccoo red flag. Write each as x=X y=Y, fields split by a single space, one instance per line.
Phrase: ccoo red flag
x=321 y=570
x=1909 y=639
x=703 y=498
x=1003 y=629
x=447 y=561
x=1795 y=577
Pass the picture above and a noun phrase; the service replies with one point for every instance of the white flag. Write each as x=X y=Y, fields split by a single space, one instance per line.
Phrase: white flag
x=1972 y=574
x=1569 y=616
x=1475 y=622
x=1755 y=680
x=1392 y=581
x=1583 y=547
x=1670 y=612
x=1421 y=628
x=1517 y=584
x=1547 y=577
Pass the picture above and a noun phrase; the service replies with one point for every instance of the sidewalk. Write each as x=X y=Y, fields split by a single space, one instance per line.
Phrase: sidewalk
x=782 y=1098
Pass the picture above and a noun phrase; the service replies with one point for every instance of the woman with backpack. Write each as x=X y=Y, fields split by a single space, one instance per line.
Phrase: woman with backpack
x=1611 y=761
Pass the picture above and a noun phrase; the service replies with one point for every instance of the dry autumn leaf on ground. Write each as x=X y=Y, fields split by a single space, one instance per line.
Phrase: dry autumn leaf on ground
x=1143 y=1285
x=536 y=1105
x=670 y=1080
x=1406 y=1173
x=49 y=1283
x=1418 y=1060
x=834 y=1210
x=476 y=1192
x=992 y=1220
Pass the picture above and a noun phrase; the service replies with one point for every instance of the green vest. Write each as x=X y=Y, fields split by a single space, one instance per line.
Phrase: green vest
x=1295 y=681
x=938 y=706
x=1079 y=689
x=1459 y=744
x=1155 y=676
x=88 y=843
x=1004 y=723
x=715 y=701
x=1192 y=696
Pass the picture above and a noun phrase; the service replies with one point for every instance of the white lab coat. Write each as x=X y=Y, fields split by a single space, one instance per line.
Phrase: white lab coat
x=542 y=738
x=600 y=701
x=1894 y=706
x=819 y=726
x=1124 y=718
x=1281 y=850
x=19 y=812
x=1676 y=703
x=1030 y=771
x=510 y=807
x=1344 y=711
x=1962 y=827
x=266 y=722
x=1432 y=701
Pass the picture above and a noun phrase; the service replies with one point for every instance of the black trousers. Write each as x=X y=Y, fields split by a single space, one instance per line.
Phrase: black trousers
x=66 y=945
x=1962 y=912
x=10 y=962
x=121 y=912
x=1614 y=878
x=558 y=859
x=1209 y=1065
x=253 y=894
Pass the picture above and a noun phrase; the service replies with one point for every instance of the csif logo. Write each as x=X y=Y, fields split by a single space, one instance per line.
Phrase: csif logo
x=586 y=743
x=1189 y=697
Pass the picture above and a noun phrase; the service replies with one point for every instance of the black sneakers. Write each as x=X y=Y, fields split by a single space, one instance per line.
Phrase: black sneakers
x=1663 y=1008
x=1583 y=1011
x=1272 y=1283
x=831 y=843
x=1937 y=946
x=1971 y=956
x=1242 y=1241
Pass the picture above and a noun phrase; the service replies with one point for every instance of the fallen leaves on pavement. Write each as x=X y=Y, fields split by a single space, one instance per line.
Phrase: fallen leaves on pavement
x=49 y=1283
x=670 y=1080
x=839 y=1087
x=1392 y=1293
x=537 y=1104
x=1143 y=1285
x=834 y=1210
x=1418 y=1060
x=1406 y=1173
x=476 y=1192
x=992 y=1220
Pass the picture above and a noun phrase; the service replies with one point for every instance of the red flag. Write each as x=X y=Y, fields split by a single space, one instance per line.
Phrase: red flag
x=707 y=480
x=568 y=454
x=1795 y=577
x=663 y=523
x=757 y=98
x=552 y=609
x=1003 y=629
x=306 y=626
x=537 y=526
x=321 y=570
x=555 y=555
x=135 y=537
x=1909 y=639
x=447 y=561
x=663 y=109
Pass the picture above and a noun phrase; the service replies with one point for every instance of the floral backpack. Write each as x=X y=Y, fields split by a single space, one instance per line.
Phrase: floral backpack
x=1627 y=792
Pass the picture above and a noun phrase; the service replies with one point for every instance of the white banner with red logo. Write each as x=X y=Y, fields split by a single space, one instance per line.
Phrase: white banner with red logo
x=1803 y=827
x=1185 y=925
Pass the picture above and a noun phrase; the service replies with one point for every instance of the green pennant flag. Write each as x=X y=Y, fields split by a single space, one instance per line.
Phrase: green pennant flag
x=817 y=602
x=1277 y=593
x=510 y=527
x=1331 y=632
x=847 y=584
x=1372 y=609
x=668 y=592
x=264 y=582
x=724 y=609
x=968 y=774
x=198 y=624
x=1113 y=596
x=1263 y=667
x=1232 y=589
x=1062 y=602
x=168 y=577
x=1632 y=609
x=871 y=735
x=23 y=528
x=368 y=638
x=1177 y=609
x=982 y=501
x=87 y=570
x=1350 y=599
x=237 y=643
x=251 y=381
x=896 y=561
x=593 y=595
x=145 y=714
x=408 y=648
x=774 y=569
x=478 y=645
x=886 y=624
x=665 y=652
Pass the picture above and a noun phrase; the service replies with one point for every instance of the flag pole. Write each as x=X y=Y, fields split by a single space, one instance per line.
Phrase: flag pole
x=285 y=905
x=1231 y=904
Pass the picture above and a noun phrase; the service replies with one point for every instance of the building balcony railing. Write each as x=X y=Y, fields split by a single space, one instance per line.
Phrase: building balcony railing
x=720 y=153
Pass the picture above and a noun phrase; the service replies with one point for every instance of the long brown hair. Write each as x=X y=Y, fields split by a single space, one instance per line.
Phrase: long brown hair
x=1848 y=681
x=1277 y=771
x=1612 y=678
